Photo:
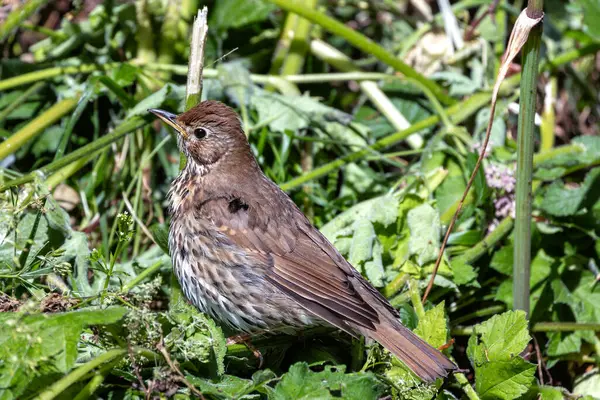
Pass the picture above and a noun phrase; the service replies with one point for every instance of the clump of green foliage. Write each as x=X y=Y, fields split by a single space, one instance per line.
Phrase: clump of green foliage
x=90 y=309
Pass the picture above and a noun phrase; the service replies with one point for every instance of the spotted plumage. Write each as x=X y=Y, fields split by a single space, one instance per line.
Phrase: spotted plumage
x=246 y=255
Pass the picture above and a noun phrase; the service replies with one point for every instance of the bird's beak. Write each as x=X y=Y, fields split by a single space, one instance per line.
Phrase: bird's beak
x=169 y=119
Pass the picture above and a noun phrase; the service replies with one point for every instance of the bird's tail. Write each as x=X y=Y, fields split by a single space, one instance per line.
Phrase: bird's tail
x=425 y=361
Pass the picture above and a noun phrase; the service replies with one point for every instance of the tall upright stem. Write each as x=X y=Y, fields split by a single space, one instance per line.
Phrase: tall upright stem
x=522 y=254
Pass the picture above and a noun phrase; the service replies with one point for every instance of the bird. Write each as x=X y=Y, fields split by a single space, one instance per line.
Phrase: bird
x=247 y=256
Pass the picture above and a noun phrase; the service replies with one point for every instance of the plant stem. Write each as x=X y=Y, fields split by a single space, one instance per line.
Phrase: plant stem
x=51 y=73
x=548 y=115
x=363 y=43
x=539 y=327
x=524 y=175
x=473 y=254
x=37 y=126
x=62 y=384
x=480 y=313
x=396 y=284
x=415 y=298
x=466 y=386
x=142 y=275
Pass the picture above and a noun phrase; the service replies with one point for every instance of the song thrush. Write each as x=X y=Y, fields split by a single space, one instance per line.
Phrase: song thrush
x=246 y=255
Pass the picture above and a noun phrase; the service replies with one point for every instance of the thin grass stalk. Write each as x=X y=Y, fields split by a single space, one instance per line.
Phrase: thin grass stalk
x=363 y=43
x=36 y=126
x=524 y=174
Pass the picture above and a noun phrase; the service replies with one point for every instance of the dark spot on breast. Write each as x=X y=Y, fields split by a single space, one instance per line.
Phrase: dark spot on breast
x=236 y=205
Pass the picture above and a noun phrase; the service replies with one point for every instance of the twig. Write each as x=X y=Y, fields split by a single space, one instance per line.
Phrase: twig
x=196 y=62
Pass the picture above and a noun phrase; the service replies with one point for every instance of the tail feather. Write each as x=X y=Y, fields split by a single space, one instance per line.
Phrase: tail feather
x=425 y=361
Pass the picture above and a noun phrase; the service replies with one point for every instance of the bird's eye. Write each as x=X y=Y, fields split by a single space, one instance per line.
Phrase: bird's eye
x=200 y=133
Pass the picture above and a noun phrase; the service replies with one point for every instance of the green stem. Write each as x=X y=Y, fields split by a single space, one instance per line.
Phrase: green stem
x=524 y=175
x=415 y=298
x=91 y=387
x=294 y=60
x=141 y=276
x=539 y=327
x=548 y=116
x=466 y=386
x=481 y=248
x=62 y=384
x=48 y=73
x=396 y=285
x=120 y=131
x=484 y=312
x=37 y=126
x=363 y=43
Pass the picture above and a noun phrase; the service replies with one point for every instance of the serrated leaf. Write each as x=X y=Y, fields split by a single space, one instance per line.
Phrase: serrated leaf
x=424 y=225
x=500 y=338
x=432 y=327
x=505 y=380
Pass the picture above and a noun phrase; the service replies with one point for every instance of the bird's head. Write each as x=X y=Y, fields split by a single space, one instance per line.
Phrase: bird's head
x=208 y=134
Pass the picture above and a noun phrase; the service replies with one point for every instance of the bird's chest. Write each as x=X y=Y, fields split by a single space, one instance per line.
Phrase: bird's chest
x=210 y=271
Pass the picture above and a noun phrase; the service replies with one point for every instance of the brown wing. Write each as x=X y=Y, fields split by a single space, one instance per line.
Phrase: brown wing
x=308 y=268
x=304 y=264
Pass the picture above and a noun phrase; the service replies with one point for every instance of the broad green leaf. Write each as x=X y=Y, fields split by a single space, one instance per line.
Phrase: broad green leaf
x=561 y=343
x=361 y=248
x=500 y=338
x=432 y=327
x=229 y=14
x=591 y=17
x=424 y=224
x=562 y=201
x=464 y=274
x=382 y=210
x=502 y=260
x=505 y=380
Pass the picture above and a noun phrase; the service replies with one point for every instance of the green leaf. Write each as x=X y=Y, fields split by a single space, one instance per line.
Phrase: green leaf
x=502 y=260
x=432 y=327
x=161 y=236
x=302 y=383
x=229 y=14
x=500 y=338
x=591 y=17
x=464 y=274
x=562 y=201
x=43 y=343
x=504 y=379
x=424 y=224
